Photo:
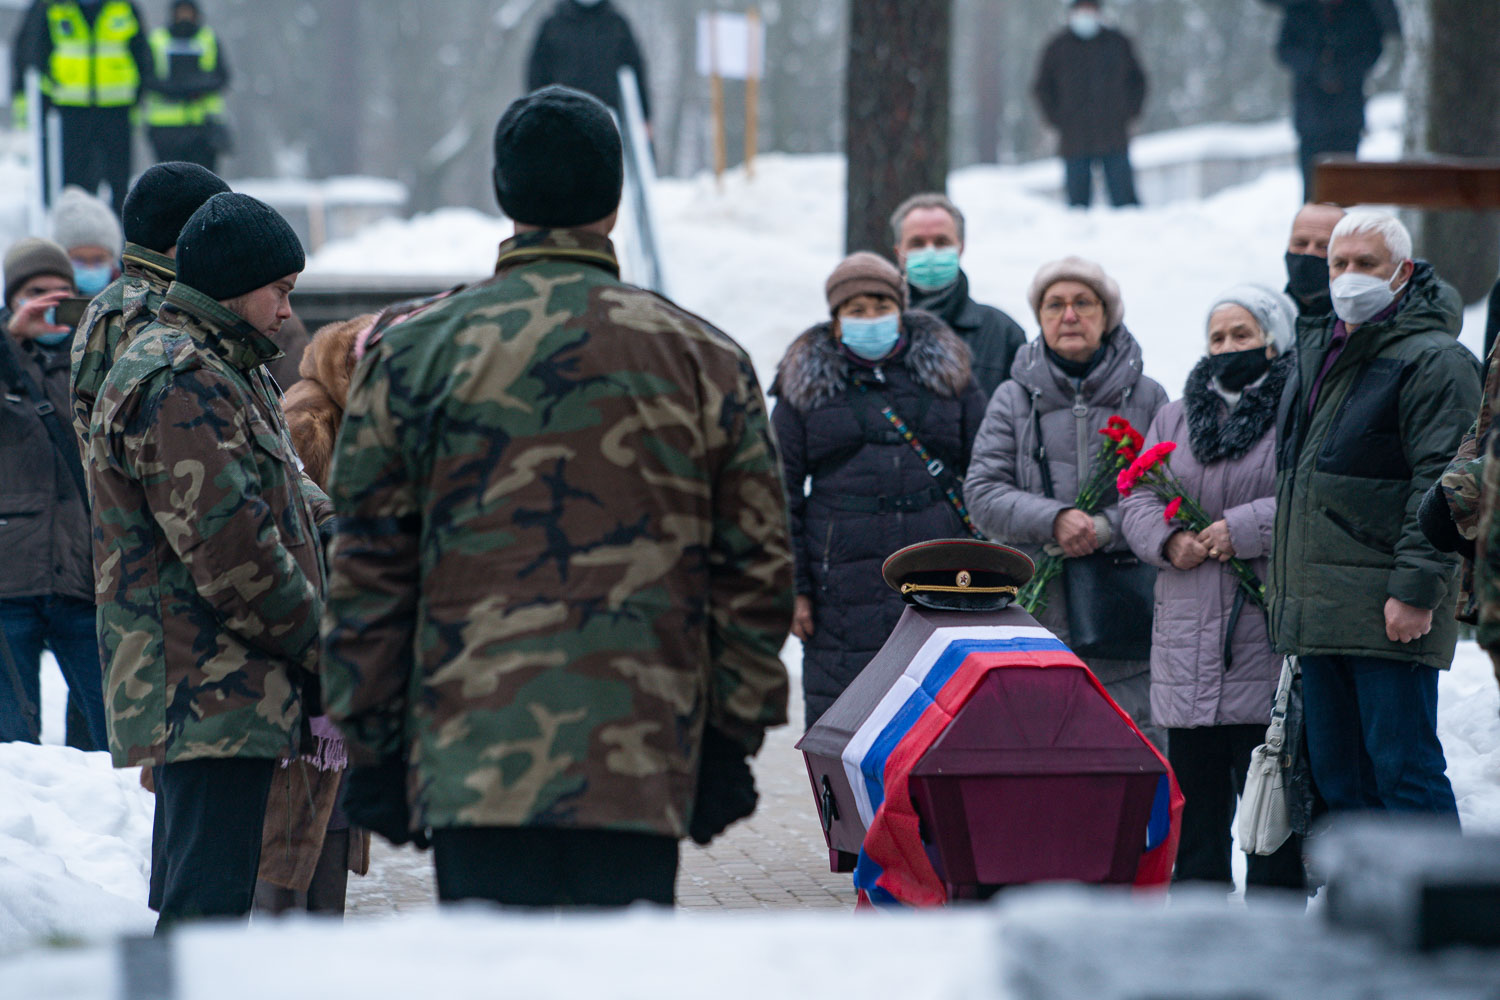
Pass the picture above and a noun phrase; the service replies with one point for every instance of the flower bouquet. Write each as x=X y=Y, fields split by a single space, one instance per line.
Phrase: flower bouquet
x=1152 y=470
x=1118 y=451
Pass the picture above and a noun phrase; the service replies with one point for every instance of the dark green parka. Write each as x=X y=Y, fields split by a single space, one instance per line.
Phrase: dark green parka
x=1390 y=415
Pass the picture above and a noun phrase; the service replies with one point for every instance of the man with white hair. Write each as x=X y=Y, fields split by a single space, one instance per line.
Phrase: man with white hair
x=1307 y=258
x=1380 y=402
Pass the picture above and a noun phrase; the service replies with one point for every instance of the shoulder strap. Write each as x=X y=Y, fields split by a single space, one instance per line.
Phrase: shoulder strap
x=63 y=440
x=1039 y=451
x=946 y=480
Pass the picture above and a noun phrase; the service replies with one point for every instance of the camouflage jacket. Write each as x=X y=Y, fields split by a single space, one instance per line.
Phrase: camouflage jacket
x=1461 y=483
x=207 y=561
x=111 y=321
x=561 y=548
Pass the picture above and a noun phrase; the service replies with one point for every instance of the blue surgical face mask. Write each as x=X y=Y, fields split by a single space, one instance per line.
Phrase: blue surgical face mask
x=91 y=279
x=53 y=339
x=932 y=268
x=871 y=339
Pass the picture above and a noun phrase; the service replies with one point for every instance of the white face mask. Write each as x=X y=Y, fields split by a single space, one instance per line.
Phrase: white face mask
x=1084 y=23
x=1358 y=297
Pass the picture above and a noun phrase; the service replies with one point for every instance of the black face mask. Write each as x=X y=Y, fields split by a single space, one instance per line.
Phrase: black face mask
x=1236 y=369
x=1307 y=280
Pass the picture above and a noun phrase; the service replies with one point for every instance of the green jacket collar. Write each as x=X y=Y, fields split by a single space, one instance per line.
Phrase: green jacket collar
x=216 y=327
x=150 y=265
x=558 y=244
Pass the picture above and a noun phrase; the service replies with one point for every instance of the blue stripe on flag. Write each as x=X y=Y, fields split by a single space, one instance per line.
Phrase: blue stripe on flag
x=1161 y=814
x=872 y=767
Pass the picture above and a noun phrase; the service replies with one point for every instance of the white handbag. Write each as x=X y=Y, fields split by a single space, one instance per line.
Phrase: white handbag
x=1265 y=821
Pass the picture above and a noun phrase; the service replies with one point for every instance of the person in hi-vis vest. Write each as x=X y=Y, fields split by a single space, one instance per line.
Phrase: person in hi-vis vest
x=95 y=63
x=185 y=112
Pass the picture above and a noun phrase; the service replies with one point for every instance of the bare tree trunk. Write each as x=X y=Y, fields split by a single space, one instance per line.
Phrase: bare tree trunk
x=1463 y=119
x=896 y=130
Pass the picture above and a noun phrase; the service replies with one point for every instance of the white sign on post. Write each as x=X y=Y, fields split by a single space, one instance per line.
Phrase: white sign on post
x=731 y=46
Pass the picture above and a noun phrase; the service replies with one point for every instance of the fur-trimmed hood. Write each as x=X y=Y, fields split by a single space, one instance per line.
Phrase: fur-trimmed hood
x=815 y=370
x=1214 y=433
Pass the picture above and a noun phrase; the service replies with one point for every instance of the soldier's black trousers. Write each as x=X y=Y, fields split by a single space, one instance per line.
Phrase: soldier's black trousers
x=551 y=867
x=210 y=818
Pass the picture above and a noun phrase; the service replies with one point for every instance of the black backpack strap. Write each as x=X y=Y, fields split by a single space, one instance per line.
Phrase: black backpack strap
x=63 y=440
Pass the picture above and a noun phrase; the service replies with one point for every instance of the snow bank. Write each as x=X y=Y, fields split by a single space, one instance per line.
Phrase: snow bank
x=1469 y=726
x=75 y=839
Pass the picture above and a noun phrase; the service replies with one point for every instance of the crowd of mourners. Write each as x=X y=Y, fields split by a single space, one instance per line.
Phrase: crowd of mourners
x=506 y=572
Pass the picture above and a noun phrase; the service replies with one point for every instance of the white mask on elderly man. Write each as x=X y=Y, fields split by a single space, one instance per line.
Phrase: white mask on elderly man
x=1084 y=23
x=1358 y=297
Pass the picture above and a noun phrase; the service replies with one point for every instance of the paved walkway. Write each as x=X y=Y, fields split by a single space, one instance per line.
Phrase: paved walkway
x=774 y=859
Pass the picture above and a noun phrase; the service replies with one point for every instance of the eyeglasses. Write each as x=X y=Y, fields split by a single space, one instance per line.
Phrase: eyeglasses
x=1083 y=307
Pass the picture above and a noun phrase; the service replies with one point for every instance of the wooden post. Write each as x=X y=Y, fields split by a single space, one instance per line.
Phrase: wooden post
x=752 y=90
x=716 y=89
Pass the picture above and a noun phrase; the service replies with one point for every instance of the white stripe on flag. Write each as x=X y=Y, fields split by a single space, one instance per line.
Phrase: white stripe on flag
x=906 y=685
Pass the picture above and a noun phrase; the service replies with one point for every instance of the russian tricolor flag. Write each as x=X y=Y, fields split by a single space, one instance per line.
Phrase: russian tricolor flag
x=894 y=866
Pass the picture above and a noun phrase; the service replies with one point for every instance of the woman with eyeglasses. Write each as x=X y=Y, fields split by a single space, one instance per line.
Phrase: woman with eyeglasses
x=1038 y=441
x=857 y=489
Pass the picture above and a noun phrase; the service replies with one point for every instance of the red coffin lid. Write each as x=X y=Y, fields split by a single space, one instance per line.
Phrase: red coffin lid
x=1033 y=720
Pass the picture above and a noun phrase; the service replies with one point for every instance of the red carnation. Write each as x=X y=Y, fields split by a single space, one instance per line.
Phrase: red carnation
x=1125 y=482
x=1137 y=439
x=1170 y=514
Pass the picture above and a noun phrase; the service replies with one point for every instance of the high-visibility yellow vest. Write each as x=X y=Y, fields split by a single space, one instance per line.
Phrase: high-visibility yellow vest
x=91 y=65
x=167 y=112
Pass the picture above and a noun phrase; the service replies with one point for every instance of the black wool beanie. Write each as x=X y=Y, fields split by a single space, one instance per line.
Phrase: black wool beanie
x=162 y=201
x=558 y=159
x=235 y=244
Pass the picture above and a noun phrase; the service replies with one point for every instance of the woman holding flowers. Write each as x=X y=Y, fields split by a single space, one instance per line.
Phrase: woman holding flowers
x=1036 y=449
x=1203 y=515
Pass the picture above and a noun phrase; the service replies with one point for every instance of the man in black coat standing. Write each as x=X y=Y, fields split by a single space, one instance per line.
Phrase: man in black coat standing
x=1331 y=46
x=583 y=44
x=1090 y=87
x=929 y=233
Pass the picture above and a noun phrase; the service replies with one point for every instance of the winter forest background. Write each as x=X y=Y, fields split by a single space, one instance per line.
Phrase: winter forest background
x=411 y=89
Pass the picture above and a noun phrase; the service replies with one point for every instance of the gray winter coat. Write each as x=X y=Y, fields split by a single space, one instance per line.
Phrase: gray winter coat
x=1191 y=685
x=1004 y=489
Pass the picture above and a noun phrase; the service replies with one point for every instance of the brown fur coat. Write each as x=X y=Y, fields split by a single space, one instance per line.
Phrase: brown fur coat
x=315 y=404
x=302 y=797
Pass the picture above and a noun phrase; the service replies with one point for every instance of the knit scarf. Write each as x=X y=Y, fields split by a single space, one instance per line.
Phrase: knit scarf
x=1217 y=431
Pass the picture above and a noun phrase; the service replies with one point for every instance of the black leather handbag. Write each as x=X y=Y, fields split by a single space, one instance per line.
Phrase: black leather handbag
x=1111 y=595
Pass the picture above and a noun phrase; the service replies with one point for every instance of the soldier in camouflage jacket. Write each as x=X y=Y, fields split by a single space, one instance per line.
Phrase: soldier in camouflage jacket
x=561 y=574
x=156 y=209
x=209 y=573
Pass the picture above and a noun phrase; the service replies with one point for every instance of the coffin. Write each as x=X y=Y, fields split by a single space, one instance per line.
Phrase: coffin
x=1035 y=775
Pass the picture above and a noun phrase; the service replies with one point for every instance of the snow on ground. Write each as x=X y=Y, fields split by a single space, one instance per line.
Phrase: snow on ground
x=75 y=839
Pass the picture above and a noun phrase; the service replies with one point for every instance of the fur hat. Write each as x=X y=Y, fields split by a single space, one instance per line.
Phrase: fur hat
x=162 y=201
x=81 y=220
x=234 y=245
x=1273 y=311
x=31 y=257
x=1085 y=272
x=864 y=273
x=558 y=159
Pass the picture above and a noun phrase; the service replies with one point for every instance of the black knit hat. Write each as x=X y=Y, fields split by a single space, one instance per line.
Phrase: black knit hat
x=162 y=201
x=558 y=159
x=235 y=244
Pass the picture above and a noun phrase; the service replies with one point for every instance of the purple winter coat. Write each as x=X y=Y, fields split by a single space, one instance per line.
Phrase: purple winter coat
x=1190 y=686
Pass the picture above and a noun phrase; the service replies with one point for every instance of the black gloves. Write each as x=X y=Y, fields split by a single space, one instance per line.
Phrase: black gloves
x=726 y=788
x=375 y=799
x=1435 y=518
